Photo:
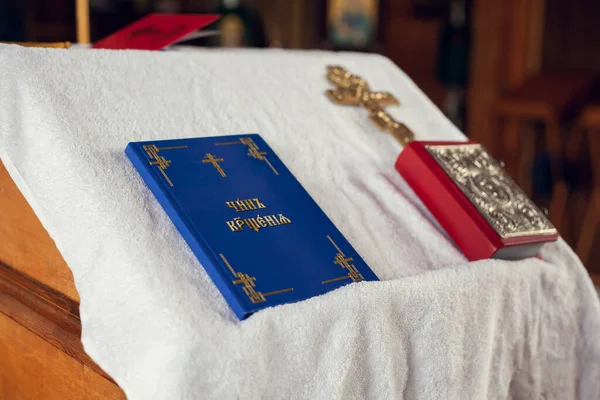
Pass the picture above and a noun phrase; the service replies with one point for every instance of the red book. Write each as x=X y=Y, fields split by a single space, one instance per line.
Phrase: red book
x=481 y=208
x=157 y=31
x=474 y=200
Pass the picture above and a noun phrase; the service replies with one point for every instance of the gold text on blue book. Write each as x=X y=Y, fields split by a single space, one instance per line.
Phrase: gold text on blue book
x=254 y=223
x=245 y=205
x=258 y=222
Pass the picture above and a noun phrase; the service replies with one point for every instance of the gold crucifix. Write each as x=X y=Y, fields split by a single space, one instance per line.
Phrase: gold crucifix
x=342 y=260
x=209 y=158
x=161 y=162
x=253 y=149
x=248 y=287
x=352 y=90
x=346 y=263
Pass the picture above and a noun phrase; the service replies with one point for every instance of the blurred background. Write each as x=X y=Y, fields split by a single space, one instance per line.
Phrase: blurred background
x=517 y=75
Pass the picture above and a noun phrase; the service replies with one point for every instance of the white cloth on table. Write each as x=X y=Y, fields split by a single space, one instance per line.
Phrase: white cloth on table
x=434 y=327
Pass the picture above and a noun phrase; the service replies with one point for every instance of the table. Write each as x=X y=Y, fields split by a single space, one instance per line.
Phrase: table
x=40 y=327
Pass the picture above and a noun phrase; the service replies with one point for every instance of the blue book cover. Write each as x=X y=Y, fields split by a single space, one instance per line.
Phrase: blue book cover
x=260 y=236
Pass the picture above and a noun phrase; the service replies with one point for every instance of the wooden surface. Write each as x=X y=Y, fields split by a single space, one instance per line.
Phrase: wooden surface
x=590 y=116
x=44 y=312
x=31 y=368
x=506 y=51
x=523 y=32
x=294 y=23
x=589 y=123
x=571 y=39
x=56 y=45
x=551 y=96
x=487 y=62
x=25 y=244
x=507 y=71
x=412 y=44
x=41 y=355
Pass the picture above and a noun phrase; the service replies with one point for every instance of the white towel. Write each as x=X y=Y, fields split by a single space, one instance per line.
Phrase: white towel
x=435 y=327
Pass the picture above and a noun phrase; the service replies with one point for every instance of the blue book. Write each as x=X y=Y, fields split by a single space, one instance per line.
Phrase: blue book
x=260 y=236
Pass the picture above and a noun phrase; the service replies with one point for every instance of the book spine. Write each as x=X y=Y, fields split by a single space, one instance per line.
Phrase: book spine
x=209 y=260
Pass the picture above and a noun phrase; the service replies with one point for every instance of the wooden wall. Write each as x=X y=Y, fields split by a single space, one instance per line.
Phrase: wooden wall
x=408 y=40
x=296 y=23
x=572 y=35
x=412 y=42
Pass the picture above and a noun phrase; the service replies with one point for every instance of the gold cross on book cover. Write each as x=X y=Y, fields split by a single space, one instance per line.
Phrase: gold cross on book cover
x=476 y=202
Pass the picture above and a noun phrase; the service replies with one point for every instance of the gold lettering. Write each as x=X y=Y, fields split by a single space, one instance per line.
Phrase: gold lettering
x=259 y=204
x=255 y=224
x=250 y=204
x=239 y=223
x=269 y=219
x=232 y=226
x=241 y=205
x=261 y=221
x=283 y=220
x=251 y=222
x=231 y=204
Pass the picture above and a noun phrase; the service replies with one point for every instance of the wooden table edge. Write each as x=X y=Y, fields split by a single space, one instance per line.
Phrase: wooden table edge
x=46 y=313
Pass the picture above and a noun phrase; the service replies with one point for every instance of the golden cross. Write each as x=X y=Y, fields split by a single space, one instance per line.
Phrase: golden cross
x=254 y=152
x=344 y=262
x=245 y=280
x=253 y=149
x=248 y=286
x=353 y=90
x=160 y=161
x=341 y=260
x=215 y=162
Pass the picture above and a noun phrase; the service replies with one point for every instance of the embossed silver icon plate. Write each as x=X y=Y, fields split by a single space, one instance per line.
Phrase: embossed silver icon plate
x=495 y=195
